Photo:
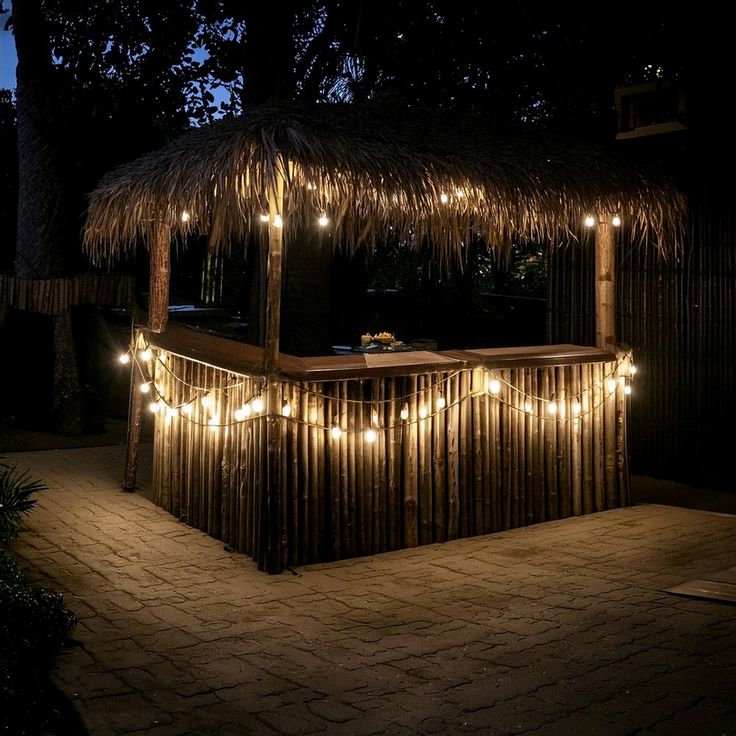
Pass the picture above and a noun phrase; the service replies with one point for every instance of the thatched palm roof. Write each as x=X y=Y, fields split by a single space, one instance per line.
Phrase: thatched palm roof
x=371 y=170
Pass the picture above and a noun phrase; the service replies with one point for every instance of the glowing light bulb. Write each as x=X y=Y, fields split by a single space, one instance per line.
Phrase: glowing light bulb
x=494 y=387
x=172 y=411
x=441 y=403
x=264 y=217
x=589 y=221
x=552 y=408
x=214 y=421
x=207 y=400
x=632 y=369
x=278 y=221
x=146 y=354
x=576 y=408
x=286 y=409
x=185 y=216
x=627 y=389
x=444 y=198
x=154 y=407
x=611 y=385
x=124 y=358
x=370 y=436
x=616 y=221
x=187 y=409
x=145 y=388
x=336 y=432
x=405 y=412
x=459 y=193
x=239 y=414
x=528 y=407
x=258 y=405
x=323 y=220
x=162 y=358
x=422 y=412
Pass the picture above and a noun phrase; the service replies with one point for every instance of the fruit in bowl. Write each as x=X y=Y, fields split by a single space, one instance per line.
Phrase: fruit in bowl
x=385 y=338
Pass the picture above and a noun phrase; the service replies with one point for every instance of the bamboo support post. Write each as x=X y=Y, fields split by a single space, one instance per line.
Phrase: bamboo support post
x=605 y=284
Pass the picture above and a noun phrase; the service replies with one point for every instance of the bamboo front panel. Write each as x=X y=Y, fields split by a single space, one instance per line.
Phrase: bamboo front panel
x=480 y=463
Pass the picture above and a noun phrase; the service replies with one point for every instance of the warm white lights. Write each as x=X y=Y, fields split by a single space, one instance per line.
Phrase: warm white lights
x=611 y=385
x=207 y=400
x=494 y=387
x=154 y=407
x=627 y=389
x=323 y=220
x=264 y=217
x=576 y=408
x=145 y=387
x=422 y=412
x=185 y=217
x=278 y=221
x=172 y=411
x=589 y=221
x=124 y=358
x=528 y=407
x=336 y=432
x=441 y=403
x=286 y=409
x=405 y=412
x=616 y=221
x=187 y=410
x=257 y=405
x=444 y=198
x=552 y=407
x=632 y=369
x=370 y=435
x=146 y=354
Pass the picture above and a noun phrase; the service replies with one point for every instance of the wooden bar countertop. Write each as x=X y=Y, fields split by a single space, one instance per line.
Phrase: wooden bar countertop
x=241 y=358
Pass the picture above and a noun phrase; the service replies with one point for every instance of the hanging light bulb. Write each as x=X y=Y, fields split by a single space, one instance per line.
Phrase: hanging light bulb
x=405 y=412
x=528 y=407
x=278 y=221
x=257 y=405
x=632 y=369
x=441 y=403
x=264 y=217
x=286 y=409
x=494 y=387
x=146 y=354
x=459 y=193
x=422 y=412
x=145 y=388
x=239 y=415
x=207 y=400
x=444 y=198
x=616 y=221
x=214 y=421
x=154 y=407
x=370 y=436
x=172 y=411
x=627 y=389
x=611 y=385
x=187 y=409
x=589 y=221
x=124 y=358
x=335 y=431
x=323 y=220
x=185 y=216
x=552 y=408
x=576 y=408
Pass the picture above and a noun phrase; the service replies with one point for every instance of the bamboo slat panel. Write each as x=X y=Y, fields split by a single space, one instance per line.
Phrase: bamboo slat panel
x=287 y=490
x=55 y=296
x=679 y=317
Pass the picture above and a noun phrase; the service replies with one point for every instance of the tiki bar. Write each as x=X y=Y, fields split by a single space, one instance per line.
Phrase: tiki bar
x=295 y=460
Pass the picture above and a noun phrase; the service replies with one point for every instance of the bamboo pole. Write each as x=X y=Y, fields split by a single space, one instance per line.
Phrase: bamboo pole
x=273 y=277
x=605 y=284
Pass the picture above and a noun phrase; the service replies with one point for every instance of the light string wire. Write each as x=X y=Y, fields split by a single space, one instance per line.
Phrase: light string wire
x=524 y=406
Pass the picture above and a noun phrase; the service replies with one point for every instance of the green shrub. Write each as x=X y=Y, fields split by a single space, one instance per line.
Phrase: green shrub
x=16 y=489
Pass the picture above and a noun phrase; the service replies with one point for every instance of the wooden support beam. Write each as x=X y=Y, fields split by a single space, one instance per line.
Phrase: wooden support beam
x=158 y=317
x=273 y=277
x=605 y=284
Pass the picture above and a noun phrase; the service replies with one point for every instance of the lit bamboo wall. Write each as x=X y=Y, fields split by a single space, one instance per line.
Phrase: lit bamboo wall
x=480 y=463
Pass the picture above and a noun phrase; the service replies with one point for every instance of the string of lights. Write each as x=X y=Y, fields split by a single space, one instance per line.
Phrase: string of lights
x=204 y=406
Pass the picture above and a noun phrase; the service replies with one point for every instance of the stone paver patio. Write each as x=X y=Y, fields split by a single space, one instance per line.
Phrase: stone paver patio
x=562 y=628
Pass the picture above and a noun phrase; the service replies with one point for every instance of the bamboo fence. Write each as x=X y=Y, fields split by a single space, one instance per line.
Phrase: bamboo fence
x=679 y=317
x=464 y=461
